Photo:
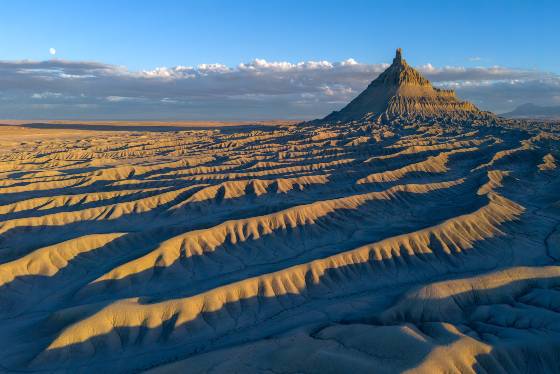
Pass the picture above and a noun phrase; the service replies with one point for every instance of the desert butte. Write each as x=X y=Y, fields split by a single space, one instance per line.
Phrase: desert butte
x=407 y=232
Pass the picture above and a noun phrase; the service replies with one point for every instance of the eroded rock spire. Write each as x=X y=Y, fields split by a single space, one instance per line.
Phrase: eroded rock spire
x=402 y=92
x=398 y=57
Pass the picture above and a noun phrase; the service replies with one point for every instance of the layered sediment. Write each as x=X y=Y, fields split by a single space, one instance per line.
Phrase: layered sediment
x=401 y=91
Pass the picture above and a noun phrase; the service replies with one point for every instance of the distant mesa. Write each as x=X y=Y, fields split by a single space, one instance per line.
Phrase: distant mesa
x=402 y=92
x=530 y=110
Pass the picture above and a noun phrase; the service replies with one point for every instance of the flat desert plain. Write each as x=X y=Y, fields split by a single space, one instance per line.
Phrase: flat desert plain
x=325 y=248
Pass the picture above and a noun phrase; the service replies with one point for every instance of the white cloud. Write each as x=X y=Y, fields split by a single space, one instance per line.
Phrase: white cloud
x=118 y=99
x=283 y=66
x=427 y=68
x=349 y=62
x=336 y=90
x=46 y=95
x=251 y=90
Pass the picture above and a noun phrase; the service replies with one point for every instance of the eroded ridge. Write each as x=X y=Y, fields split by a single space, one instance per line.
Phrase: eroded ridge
x=309 y=247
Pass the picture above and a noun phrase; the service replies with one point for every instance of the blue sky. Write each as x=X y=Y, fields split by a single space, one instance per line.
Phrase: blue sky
x=144 y=35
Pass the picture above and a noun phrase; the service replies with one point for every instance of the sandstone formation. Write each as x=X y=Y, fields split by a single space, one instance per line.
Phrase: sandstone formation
x=401 y=91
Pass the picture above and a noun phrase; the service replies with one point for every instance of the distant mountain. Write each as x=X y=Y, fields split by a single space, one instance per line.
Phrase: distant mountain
x=530 y=110
x=401 y=91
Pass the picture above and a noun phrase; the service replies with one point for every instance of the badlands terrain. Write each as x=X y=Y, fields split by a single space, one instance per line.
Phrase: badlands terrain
x=408 y=231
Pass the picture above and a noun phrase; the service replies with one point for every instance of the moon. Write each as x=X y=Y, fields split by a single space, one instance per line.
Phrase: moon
x=52 y=51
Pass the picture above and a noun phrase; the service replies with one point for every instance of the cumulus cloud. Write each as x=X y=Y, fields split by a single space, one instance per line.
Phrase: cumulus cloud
x=258 y=89
x=46 y=95
x=119 y=99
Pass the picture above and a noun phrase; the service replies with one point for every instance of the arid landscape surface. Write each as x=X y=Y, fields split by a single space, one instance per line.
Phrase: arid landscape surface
x=423 y=235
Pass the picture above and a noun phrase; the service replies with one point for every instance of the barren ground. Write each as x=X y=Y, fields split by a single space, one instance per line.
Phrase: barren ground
x=278 y=248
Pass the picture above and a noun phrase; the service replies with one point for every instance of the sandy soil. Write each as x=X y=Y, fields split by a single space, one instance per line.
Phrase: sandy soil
x=257 y=248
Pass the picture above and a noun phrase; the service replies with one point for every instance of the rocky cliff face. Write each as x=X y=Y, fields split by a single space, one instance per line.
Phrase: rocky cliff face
x=401 y=91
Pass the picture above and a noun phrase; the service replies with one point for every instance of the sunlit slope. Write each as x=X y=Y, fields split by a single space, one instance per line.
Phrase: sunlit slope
x=309 y=248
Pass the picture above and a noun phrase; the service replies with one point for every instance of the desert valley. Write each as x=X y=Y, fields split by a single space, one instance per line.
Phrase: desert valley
x=407 y=231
